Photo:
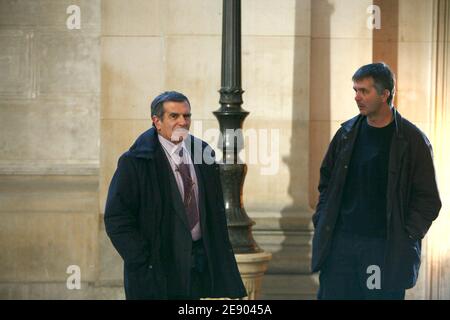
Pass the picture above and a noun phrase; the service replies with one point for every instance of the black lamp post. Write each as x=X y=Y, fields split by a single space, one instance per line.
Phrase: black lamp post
x=231 y=117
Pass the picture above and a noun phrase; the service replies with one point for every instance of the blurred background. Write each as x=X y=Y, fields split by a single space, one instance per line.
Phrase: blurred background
x=76 y=81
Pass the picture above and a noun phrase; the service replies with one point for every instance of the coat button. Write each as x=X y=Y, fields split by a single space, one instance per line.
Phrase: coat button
x=150 y=267
x=327 y=228
x=346 y=166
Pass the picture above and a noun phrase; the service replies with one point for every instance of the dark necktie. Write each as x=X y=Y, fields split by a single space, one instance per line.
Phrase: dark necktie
x=190 y=203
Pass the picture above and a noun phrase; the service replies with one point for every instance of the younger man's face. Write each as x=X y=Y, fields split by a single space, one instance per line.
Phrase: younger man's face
x=367 y=98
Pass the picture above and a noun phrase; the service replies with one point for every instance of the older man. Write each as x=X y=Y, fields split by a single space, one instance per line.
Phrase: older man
x=165 y=213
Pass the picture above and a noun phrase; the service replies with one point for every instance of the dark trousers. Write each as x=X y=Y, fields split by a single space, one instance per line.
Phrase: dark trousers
x=353 y=270
x=200 y=279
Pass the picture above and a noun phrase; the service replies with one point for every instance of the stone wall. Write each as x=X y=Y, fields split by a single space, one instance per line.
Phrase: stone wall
x=49 y=147
x=72 y=101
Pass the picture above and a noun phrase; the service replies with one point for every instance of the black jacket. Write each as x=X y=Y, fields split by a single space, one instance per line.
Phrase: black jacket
x=412 y=198
x=139 y=219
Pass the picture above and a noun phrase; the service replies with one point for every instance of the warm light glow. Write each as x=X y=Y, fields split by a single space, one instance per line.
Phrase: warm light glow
x=439 y=237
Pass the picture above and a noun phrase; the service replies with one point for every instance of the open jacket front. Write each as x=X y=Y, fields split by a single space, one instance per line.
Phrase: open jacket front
x=152 y=237
x=412 y=198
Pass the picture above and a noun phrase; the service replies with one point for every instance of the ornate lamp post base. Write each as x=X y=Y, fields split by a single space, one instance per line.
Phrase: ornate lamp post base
x=252 y=267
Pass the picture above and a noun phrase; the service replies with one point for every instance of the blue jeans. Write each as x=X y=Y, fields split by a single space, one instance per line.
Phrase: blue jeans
x=353 y=270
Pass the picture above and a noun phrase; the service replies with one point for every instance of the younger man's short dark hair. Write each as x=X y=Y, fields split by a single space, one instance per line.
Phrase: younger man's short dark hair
x=382 y=75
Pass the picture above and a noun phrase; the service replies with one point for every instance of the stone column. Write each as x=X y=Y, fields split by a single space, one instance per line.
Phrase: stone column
x=438 y=279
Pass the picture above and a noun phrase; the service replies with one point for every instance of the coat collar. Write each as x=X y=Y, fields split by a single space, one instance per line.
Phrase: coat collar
x=349 y=125
x=145 y=145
